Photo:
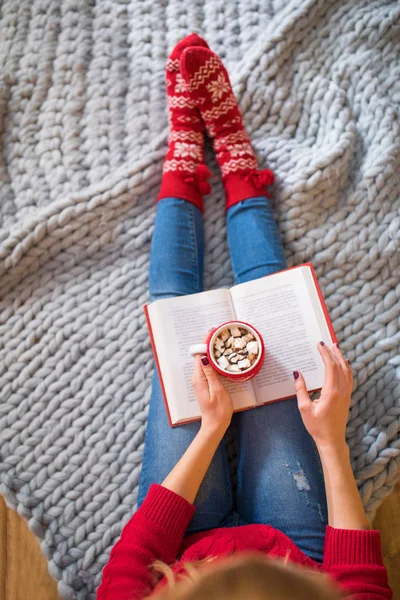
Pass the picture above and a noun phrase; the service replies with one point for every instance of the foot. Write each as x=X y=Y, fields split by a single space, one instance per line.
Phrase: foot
x=184 y=173
x=210 y=89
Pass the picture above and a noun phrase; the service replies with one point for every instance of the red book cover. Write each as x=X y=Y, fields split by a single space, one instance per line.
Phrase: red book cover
x=146 y=314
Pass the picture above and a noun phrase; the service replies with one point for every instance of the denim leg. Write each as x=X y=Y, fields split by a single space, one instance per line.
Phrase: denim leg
x=176 y=269
x=177 y=250
x=259 y=252
x=280 y=478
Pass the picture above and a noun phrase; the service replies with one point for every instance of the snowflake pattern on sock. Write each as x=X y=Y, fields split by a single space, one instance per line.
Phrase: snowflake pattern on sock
x=184 y=172
x=218 y=88
x=210 y=89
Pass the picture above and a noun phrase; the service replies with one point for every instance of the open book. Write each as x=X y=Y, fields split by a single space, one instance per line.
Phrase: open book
x=287 y=308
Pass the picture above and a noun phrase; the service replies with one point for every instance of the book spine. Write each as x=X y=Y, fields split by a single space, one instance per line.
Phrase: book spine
x=153 y=345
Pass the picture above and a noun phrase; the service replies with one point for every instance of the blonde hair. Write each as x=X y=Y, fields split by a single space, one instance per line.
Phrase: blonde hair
x=245 y=577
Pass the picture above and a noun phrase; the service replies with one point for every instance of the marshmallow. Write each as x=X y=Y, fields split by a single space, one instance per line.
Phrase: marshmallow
x=223 y=362
x=233 y=368
x=229 y=342
x=239 y=343
x=234 y=357
x=235 y=331
x=244 y=364
x=252 y=347
x=219 y=343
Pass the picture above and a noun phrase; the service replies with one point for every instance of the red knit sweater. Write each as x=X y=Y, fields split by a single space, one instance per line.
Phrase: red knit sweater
x=156 y=531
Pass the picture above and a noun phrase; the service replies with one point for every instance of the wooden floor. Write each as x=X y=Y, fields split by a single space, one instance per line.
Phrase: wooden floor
x=24 y=574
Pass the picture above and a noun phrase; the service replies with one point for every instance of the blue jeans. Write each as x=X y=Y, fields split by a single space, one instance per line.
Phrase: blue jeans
x=280 y=479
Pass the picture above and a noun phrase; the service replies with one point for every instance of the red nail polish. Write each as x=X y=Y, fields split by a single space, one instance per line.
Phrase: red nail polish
x=322 y=343
x=205 y=361
x=296 y=374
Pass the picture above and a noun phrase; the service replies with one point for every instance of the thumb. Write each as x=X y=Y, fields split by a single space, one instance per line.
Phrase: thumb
x=210 y=373
x=303 y=399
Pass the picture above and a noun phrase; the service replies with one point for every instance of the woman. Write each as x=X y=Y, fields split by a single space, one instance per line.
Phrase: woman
x=297 y=499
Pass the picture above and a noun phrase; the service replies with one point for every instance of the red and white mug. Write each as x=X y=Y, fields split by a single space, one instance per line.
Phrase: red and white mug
x=207 y=348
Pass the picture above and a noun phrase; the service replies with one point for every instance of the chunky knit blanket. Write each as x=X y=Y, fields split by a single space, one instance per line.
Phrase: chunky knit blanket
x=83 y=135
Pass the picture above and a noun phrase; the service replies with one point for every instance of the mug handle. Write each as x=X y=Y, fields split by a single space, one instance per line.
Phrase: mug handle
x=197 y=349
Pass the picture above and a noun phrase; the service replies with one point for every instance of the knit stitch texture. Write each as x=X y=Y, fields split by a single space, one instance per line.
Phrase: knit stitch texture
x=84 y=129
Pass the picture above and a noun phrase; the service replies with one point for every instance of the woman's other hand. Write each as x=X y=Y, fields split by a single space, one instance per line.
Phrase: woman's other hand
x=214 y=400
x=325 y=418
x=216 y=413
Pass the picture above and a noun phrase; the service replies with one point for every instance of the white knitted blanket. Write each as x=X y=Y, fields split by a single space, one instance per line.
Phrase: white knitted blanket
x=83 y=134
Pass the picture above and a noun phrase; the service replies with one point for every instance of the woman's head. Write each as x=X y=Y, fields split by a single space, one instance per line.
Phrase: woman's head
x=248 y=577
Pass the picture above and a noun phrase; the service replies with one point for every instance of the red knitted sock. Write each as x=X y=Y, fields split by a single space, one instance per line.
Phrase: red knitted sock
x=209 y=87
x=184 y=173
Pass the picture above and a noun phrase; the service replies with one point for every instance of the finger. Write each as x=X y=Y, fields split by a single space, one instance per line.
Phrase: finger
x=198 y=377
x=335 y=358
x=303 y=399
x=330 y=363
x=345 y=369
x=350 y=375
x=210 y=374
x=344 y=364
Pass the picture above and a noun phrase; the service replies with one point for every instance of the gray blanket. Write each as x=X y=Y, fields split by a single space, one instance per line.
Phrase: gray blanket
x=83 y=136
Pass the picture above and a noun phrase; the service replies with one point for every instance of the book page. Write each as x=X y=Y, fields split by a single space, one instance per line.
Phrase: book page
x=280 y=308
x=314 y=299
x=177 y=323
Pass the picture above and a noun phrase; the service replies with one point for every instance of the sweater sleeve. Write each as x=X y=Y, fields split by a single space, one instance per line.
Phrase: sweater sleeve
x=354 y=558
x=155 y=532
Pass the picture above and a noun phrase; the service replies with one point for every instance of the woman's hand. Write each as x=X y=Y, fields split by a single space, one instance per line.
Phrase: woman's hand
x=325 y=418
x=214 y=400
x=216 y=413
